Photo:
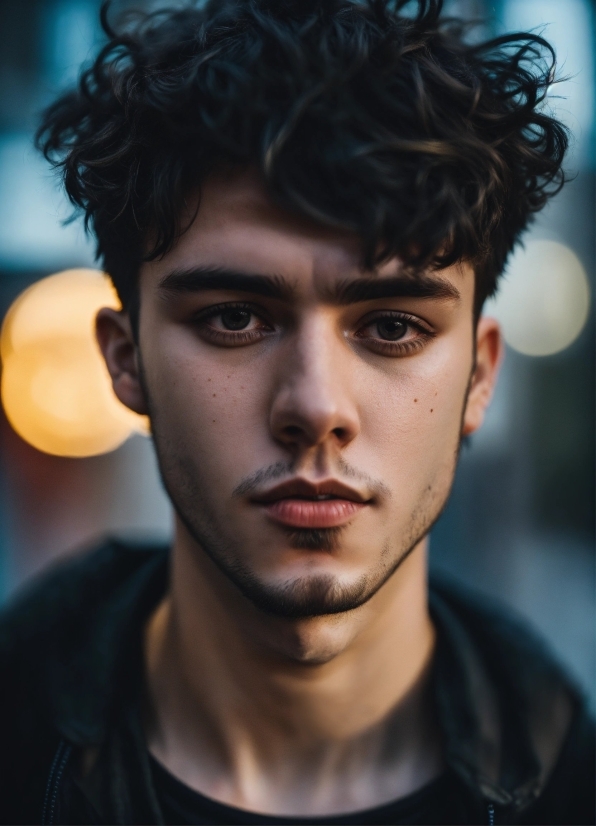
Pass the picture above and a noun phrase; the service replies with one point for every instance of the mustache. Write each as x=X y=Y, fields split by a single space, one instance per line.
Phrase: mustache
x=280 y=470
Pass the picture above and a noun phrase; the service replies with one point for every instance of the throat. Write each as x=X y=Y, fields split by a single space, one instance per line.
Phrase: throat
x=283 y=770
x=347 y=723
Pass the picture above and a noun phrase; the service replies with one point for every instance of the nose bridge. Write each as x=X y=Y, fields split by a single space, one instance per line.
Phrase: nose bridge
x=313 y=401
x=313 y=355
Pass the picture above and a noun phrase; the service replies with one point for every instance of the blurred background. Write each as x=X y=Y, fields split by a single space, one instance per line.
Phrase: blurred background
x=520 y=522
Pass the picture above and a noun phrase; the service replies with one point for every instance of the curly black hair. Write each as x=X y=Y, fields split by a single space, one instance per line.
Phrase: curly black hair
x=356 y=113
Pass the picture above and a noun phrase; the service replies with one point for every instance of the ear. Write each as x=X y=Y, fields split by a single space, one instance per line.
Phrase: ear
x=117 y=344
x=489 y=355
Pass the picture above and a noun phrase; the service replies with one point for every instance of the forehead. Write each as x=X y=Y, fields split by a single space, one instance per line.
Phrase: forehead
x=238 y=226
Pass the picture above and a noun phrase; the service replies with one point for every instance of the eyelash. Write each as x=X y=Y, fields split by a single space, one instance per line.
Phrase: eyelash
x=240 y=337
x=398 y=348
x=228 y=337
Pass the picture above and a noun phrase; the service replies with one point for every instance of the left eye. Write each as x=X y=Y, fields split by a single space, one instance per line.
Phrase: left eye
x=395 y=334
x=235 y=318
x=390 y=329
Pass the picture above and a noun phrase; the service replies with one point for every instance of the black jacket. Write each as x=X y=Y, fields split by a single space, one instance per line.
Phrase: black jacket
x=518 y=743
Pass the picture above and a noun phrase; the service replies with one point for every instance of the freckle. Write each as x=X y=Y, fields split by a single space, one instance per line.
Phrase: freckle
x=436 y=392
x=213 y=421
x=431 y=410
x=214 y=395
x=415 y=400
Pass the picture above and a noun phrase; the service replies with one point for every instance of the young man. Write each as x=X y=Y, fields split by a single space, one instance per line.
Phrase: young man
x=303 y=206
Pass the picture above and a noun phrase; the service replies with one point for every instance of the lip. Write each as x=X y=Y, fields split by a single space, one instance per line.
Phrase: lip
x=294 y=503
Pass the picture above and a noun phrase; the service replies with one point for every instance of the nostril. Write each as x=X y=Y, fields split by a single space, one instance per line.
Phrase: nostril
x=292 y=430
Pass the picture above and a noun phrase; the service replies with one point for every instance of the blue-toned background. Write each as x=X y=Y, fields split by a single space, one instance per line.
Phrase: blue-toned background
x=520 y=523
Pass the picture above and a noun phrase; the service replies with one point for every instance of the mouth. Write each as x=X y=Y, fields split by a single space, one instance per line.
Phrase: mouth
x=302 y=504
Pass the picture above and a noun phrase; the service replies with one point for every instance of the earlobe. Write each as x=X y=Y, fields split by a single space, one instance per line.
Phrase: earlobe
x=117 y=344
x=489 y=355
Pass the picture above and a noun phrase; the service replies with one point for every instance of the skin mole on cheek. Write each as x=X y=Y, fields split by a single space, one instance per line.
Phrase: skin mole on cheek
x=431 y=410
x=415 y=400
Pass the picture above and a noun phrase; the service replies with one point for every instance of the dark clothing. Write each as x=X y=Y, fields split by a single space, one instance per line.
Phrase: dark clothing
x=185 y=807
x=518 y=745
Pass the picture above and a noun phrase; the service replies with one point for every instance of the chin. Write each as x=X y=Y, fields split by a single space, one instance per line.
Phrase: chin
x=303 y=597
x=313 y=641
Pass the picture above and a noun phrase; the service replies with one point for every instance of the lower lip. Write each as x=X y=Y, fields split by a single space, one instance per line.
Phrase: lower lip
x=304 y=513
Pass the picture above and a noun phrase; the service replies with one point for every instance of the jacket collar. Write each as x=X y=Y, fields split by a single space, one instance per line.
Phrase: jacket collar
x=97 y=666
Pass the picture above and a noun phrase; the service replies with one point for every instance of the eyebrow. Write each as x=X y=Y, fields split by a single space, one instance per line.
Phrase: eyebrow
x=411 y=286
x=199 y=279
x=349 y=291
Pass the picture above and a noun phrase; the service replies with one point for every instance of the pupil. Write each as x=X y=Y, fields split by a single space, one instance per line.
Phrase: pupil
x=235 y=319
x=391 y=329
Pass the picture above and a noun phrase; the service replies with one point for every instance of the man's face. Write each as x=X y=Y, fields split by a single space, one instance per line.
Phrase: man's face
x=306 y=413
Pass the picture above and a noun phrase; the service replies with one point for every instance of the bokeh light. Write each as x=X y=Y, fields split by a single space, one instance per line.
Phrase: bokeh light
x=544 y=299
x=56 y=390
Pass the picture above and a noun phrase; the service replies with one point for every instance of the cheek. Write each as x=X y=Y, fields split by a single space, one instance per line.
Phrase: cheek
x=415 y=412
x=209 y=408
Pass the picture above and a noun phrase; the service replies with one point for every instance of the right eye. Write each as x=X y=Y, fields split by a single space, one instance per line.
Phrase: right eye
x=231 y=325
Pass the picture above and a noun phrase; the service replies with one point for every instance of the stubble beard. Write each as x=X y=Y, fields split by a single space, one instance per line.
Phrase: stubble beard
x=304 y=597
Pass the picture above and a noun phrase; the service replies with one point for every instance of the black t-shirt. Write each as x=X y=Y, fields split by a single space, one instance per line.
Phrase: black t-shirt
x=181 y=805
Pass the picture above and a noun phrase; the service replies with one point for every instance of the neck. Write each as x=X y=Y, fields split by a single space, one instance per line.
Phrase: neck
x=310 y=716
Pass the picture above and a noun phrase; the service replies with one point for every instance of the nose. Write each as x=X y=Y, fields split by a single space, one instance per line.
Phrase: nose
x=313 y=402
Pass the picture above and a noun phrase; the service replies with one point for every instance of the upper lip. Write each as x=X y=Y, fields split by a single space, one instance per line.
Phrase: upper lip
x=301 y=488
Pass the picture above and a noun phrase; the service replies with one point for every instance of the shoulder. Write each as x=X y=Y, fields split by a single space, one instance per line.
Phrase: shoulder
x=528 y=678
x=59 y=648
x=541 y=710
x=71 y=590
x=56 y=622
x=499 y=634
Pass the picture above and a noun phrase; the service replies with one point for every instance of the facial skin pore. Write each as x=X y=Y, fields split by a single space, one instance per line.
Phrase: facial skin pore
x=307 y=417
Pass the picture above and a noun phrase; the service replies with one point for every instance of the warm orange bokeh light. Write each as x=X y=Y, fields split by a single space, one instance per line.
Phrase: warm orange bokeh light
x=56 y=390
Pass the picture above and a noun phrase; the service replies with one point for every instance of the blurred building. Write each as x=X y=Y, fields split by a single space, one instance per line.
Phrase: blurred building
x=520 y=522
